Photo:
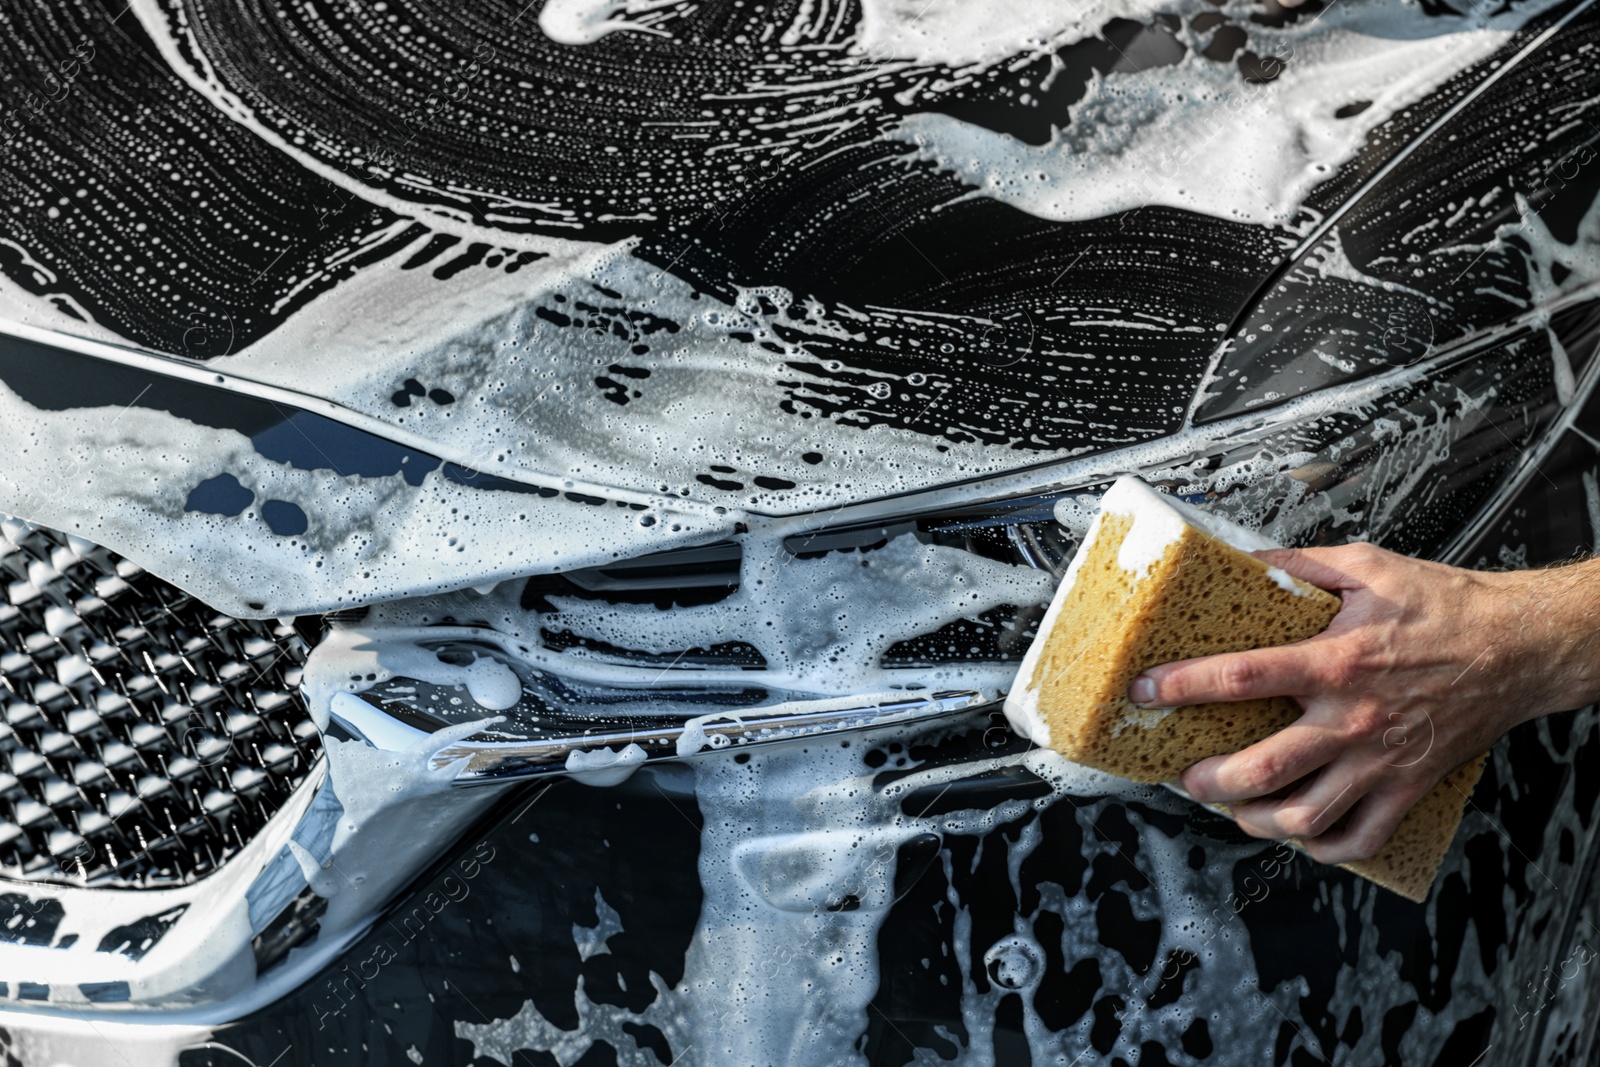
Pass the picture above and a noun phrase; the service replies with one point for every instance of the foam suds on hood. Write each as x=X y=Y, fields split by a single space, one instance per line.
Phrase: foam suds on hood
x=1196 y=136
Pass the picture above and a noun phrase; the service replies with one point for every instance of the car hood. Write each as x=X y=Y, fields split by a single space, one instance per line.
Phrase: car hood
x=598 y=320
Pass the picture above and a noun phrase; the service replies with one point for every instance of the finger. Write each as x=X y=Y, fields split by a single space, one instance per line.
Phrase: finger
x=1263 y=768
x=1287 y=670
x=1309 y=810
x=1372 y=822
x=1326 y=568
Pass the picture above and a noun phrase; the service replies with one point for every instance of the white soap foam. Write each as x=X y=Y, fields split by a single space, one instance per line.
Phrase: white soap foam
x=797 y=865
x=1284 y=581
x=1156 y=525
x=121 y=478
x=1219 y=526
x=1137 y=718
x=604 y=766
x=946 y=33
x=579 y=22
x=38 y=1039
x=1578 y=262
x=774 y=976
x=1197 y=136
x=961 y=34
x=1022 y=709
x=179 y=48
x=350 y=661
x=528 y=402
x=1022 y=701
x=1159 y=521
x=1120 y=147
x=821 y=624
x=725 y=798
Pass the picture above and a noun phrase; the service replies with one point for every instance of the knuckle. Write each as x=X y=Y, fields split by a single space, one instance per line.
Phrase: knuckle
x=1331 y=672
x=1365 y=553
x=1260 y=776
x=1236 y=677
x=1359 y=559
x=1257 y=830
x=1366 y=842
x=1363 y=847
x=1362 y=657
x=1360 y=724
x=1298 y=823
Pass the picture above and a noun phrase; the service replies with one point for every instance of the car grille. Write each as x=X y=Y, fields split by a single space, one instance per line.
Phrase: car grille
x=145 y=738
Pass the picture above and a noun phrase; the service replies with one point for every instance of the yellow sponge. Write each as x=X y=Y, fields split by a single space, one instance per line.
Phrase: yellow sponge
x=1155 y=581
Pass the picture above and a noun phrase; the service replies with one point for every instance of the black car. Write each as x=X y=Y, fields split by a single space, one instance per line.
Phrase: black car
x=522 y=516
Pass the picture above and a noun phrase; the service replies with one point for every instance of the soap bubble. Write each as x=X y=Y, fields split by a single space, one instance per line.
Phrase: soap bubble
x=1014 y=962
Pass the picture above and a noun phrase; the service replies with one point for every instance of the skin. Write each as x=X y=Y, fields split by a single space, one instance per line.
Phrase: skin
x=1424 y=667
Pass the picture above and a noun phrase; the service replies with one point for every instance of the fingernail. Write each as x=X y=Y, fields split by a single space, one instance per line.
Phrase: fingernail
x=1143 y=690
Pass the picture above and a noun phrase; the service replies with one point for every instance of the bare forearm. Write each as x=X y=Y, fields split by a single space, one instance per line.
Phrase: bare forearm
x=1552 y=621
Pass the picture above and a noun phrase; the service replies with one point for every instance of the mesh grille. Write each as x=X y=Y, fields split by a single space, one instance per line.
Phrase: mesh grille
x=145 y=738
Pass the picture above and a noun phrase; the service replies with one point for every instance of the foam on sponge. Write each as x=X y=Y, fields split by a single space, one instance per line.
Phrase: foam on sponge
x=1156 y=580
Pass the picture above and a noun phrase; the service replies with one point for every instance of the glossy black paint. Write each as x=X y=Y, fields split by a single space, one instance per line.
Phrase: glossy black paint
x=1506 y=167
x=514 y=888
x=424 y=967
x=547 y=854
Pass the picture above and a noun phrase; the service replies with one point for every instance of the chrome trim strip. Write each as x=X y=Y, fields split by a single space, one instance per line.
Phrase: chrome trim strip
x=570 y=713
x=502 y=761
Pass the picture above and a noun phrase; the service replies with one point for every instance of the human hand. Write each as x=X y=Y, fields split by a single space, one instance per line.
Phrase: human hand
x=1425 y=666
